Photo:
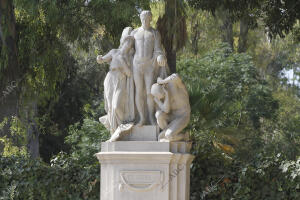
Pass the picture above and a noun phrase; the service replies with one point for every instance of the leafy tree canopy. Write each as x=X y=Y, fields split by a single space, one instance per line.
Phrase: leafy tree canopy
x=279 y=16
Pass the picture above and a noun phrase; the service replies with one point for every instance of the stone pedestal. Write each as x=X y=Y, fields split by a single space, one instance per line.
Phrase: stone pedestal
x=142 y=133
x=145 y=170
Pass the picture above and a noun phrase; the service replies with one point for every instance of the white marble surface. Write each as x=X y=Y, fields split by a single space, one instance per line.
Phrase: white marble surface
x=148 y=59
x=118 y=84
x=173 y=107
x=142 y=133
x=146 y=146
x=145 y=170
x=143 y=105
x=134 y=67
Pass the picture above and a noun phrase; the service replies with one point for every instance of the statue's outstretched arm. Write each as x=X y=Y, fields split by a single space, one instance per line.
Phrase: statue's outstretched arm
x=174 y=78
x=106 y=58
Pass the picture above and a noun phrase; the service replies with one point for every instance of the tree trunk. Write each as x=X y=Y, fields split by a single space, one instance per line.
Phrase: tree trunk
x=168 y=33
x=9 y=68
x=226 y=27
x=171 y=57
x=244 y=28
x=172 y=27
x=10 y=78
x=32 y=130
x=195 y=32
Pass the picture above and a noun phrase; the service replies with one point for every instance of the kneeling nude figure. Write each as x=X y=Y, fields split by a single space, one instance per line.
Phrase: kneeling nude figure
x=173 y=113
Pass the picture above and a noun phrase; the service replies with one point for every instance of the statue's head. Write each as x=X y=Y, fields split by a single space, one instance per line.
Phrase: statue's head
x=126 y=40
x=127 y=43
x=146 y=17
x=125 y=33
x=157 y=91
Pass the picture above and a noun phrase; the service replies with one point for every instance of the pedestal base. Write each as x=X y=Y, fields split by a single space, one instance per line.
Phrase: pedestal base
x=145 y=170
x=142 y=133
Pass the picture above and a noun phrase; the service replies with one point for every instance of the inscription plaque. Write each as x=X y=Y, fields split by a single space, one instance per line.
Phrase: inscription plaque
x=140 y=180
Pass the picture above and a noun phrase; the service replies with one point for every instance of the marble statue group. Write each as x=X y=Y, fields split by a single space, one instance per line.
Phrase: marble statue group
x=138 y=89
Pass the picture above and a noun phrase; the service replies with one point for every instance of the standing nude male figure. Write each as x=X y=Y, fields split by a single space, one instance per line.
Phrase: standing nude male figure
x=148 y=56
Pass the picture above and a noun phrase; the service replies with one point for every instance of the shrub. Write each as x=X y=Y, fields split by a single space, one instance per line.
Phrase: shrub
x=267 y=178
x=69 y=176
x=25 y=178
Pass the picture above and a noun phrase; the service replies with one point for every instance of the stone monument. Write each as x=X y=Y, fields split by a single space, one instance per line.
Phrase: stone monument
x=148 y=156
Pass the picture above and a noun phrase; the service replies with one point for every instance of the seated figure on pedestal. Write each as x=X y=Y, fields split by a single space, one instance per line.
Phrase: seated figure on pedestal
x=119 y=85
x=173 y=113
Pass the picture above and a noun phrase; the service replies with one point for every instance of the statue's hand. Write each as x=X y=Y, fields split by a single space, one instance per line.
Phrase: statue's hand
x=161 y=60
x=156 y=101
x=160 y=80
x=128 y=73
x=99 y=59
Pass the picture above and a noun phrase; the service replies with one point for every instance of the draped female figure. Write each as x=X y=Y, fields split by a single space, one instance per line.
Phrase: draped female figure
x=118 y=84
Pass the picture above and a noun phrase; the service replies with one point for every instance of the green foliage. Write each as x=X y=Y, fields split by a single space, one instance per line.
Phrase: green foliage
x=15 y=142
x=284 y=135
x=8 y=62
x=241 y=116
x=217 y=177
x=116 y=15
x=279 y=17
x=203 y=32
x=227 y=90
x=66 y=178
x=233 y=114
x=43 y=56
x=70 y=176
x=58 y=42
x=85 y=139
x=269 y=178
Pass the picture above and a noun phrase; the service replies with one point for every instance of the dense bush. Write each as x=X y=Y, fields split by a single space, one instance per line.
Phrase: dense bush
x=69 y=176
x=229 y=100
x=233 y=108
x=85 y=140
x=267 y=178
x=226 y=90
x=23 y=178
